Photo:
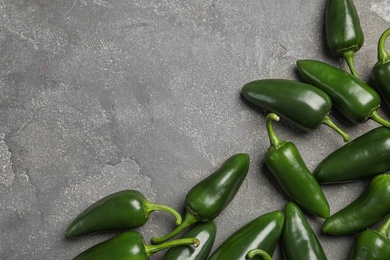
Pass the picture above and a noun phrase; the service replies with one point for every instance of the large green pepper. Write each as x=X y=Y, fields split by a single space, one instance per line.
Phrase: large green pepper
x=120 y=210
x=351 y=96
x=343 y=31
x=367 y=155
x=209 y=197
x=372 y=244
x=302 y=104
x=371 y=207
x=262 y=232
x=129 y=245
x=298 y=238
x=291 y=172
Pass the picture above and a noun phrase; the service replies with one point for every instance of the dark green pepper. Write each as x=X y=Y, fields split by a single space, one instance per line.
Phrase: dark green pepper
x=258 y=252
x=367 y=155
x=203 y=203
x=302 y=104
x=372 y=244
x=381 y=71
x=120 y=210
x=291 y=172
x=343 y=31
x=205 y=233
x=371 y=207
x=351 y=96
x=262 y=232
x=298 y=238
x=129 y=245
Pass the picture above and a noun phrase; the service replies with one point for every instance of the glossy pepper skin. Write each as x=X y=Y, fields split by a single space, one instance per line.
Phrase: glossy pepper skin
x=351 y=96
x=120 y=210
x=302 y=104
x=365 y=156
x=262 y=232
x=129 y=245
x=371 y=207
x=372 y=244
x=205 y=233
x=298 y=238
x=203 y=203
x=291 y=172
x=343 y=31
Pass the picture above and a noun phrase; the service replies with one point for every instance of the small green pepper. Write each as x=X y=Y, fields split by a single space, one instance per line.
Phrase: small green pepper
x=372 y=244
x=351 y=96
x=120 y=210
x=291 y=172
x=302 y=104
x=262 y=232
x=371 y=207
x=209 y=197
x=129 y=245
x=343 y=31
x=258 y=252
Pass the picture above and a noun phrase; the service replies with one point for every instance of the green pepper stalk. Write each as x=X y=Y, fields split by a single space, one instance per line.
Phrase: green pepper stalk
x=372 y=244
x=121 y=210
x=291 y=172
x=209 y=197
x=370 y=208
x=129 y=245
x=343 y=31
x=258 y=252
x=302 y=104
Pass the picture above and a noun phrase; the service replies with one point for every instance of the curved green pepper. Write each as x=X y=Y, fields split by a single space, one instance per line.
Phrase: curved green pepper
x=381 y=71
x=120 y=210
x=298 y=238
x=258 y=252
x=302 y=104
x=203 y=203
x=262 y=232
x=205 y=233
x=372 y=244
x=371 y=207
x=367 y=155
x=129 y=245
x=343 y=31
x=291 y=172
x=354 y=98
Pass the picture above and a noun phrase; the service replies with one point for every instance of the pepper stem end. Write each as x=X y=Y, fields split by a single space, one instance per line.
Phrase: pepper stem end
x=327 y=121
x=273 y=138
x=384 y=229
x=150 y=207
x=383 y=55
x=151 y=249
x=255 y=252
x=349 y=58
x=377 y=118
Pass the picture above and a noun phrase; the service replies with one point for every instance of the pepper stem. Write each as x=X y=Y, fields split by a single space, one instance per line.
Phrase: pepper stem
x=349 y=58
x=150 y=207
x=151 y=249
x=254 y=252
x=383 y=55
x=384 y=229
x=377 y=118
x=327 y=121
x=273 y=138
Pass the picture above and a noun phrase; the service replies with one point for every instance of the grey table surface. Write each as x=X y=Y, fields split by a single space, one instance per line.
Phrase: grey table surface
x=98 y=96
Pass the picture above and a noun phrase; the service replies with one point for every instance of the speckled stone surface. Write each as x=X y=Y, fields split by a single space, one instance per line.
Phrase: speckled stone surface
x=98 y=96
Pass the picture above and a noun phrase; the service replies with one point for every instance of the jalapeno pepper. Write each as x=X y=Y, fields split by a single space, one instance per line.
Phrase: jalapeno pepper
x=302 y=104
x=209 y=197
x=351 y=96
x=129 y=245
x=120 y=210
x=372 y=244
x=298 y=238
x=262 y=232
x=291 y=172
x=371 y=207
x=343 y=31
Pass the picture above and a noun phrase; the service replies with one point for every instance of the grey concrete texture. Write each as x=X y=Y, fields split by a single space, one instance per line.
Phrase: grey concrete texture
x=98 y=96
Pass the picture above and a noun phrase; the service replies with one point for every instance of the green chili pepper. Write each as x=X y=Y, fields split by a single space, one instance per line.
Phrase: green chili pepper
x=121 y=210
x=302 y=104
x=298 y=238
x=372 y=244
x=209 y=197
x=371 y=207
x=343 y=30
x=354 y=98
x=129 y=245
x=291 y=172
x=258 y=252
x=381 y=71
x=205 y=233
x=262 y=232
